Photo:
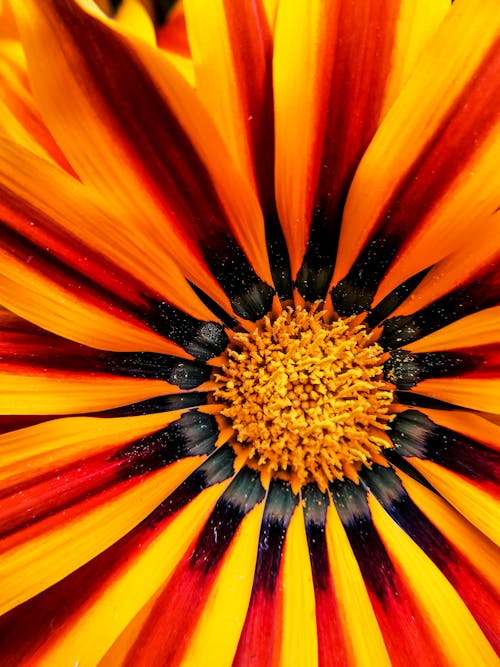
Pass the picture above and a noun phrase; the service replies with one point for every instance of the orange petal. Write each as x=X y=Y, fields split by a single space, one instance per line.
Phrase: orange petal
x=450 y=622
x=422 y=181
x=61 y=310
x=60 y=393
x=231 y=49
x=473 y=393
x=477 y=504
x=86 y=531
x=35 y=450
x=336 y=66
x=163 y=185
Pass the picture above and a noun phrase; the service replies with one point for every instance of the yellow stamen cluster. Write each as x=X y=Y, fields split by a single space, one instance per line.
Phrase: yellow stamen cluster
x=305 y=397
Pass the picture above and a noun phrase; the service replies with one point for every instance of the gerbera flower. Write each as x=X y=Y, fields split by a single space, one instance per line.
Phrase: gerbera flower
x=250 y=357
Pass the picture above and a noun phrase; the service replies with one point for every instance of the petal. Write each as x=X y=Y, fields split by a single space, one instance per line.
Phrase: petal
x=20 y=118
x=476 y=591
x=299 y=639
x=477 y=504
x=333 y=646
x=481 y=554
x=231 y=49
x=361 y=630
x=451 y=624
x=117 y=585
x=468 y=424
x=133 y=15
x=57 y=308
x=168 y=633
x=395 y=611
x=461 y=285
x=473 y=393
x=334 y=65
x=478 y=330
x=59 y=393
x=35 y=450
x=227 y=605
x=88 y=529
x=139 y=174
x=266 y=601
x=422 y=180
x=56 y=214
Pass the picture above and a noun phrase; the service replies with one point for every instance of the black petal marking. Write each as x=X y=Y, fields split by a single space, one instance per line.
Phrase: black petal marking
x=217 y=468
x=414 y=434
x=250 y=296
x=203 y=340
x=244 y=492
x=406 y=369
x=184 y=373
x=463 y=301
x=194 y=434
x=374 y=562
x=316 y=271
x=387 y=488
x=394 y=299
x=315 y=507
x=278 y=258
x=157 y=404
x=355 y=292
x=219 y=312
x=278 y=510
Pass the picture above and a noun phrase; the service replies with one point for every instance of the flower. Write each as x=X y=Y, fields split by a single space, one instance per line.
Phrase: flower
x=250 y=354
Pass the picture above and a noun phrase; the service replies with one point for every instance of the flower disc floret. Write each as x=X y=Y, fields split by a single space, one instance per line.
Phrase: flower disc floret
x=306 y=397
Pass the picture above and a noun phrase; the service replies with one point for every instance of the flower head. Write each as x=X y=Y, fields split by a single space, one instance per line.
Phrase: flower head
x=250 y=364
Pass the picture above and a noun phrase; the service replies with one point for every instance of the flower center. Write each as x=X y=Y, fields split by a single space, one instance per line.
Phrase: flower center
x=306 y=397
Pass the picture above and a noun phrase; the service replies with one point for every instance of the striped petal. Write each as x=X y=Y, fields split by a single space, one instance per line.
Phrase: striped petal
x=453 y=632
x=422 y=181
x=137 y=174
x=336 y=67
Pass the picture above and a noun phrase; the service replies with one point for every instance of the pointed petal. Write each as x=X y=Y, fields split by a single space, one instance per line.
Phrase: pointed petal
x=35 y=450
x=167 y=634
x=451 y=624
x=472 y=393
x=336 y=66
x=299 y=639
x=231 y=49
x=163 y=182
x=363 y=636
x=227 y=605
x=118 y=585
x=422 y=181
x=478 y=504
x=88 y=529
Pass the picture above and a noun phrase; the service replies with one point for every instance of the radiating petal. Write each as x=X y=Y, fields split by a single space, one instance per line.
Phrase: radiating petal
x=228 y=601
x=74 y=224
x=334 y=65
x=451 y=624
x=480 y=553
x=460 y=285
x=35 y=450
x=473 y=393
x=265 y=605
x=472 y=499
x=365 y=644
x=174 y=620
x=134 y=16
x=139 y=175
x=231 y=48
x=87 y=529
x=141 y=565
x=299 y=639
x=422 y=180
x=467 y=423
x=478 y=593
